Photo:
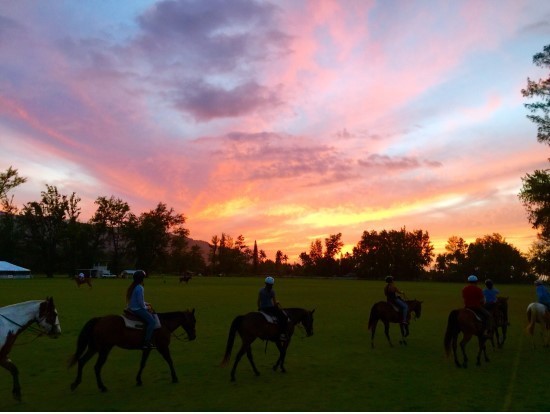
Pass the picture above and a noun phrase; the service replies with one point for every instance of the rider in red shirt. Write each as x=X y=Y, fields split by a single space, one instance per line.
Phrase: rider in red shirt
x=474 y=300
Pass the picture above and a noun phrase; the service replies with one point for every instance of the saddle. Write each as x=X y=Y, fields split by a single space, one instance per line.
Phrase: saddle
x=475 y=314
x=134 y=322
x=269 y=318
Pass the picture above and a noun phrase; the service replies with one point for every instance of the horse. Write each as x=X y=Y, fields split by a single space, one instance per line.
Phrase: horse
x=14 y=319
x=536 y=312
x=185 y=278
x=101 y=334
x=499 y=313
x=83 y=281
x=254 y=325
x=386 y=312
x=466 y=321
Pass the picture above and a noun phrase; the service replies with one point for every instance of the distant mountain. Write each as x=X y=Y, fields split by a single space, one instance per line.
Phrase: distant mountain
x=204 y=247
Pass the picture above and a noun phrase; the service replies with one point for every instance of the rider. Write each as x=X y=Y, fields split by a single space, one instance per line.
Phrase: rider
x=391 y=291
x=543 y=296
x=474 y=299
x=490 y=293
x=268 y=303
x=136 y=303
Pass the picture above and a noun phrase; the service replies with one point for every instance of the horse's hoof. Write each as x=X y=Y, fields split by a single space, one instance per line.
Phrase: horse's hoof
x=232 y=379
x=103 y=389
x=73 y=386
x=175 y=381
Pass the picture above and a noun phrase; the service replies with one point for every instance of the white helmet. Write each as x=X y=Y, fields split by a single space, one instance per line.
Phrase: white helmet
x=269 y=280
x=81 y=275
x=472 y=278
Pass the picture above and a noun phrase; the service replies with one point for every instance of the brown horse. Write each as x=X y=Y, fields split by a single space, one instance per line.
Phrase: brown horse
x=83 y=281
x=185 y=278
x=254 y=325
x=101 y=334
x=385 y=312
x=499 y=313
x=14 y=319
x=465 y=321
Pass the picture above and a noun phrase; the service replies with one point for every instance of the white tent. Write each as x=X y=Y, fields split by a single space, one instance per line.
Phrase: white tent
x=11 y=271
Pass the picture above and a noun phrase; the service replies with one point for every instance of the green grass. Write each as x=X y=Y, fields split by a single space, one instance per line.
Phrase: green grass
x=334 y=370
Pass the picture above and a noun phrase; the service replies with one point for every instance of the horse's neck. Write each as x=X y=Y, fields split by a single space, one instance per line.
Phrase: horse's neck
x=21 y=314
x=295 y=314
x=171 y=320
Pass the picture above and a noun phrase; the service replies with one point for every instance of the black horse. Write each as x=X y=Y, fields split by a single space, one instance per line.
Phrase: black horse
x=386 y=313
x=254 y=325
x=101 y=334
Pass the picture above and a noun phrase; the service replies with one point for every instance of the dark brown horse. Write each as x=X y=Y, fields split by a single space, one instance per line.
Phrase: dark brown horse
x=499 y=313
x=185 y=278
x=101 y=334
x=385 y=312
x=465 y=321
x=83 y=281
x=254 y=325
x=14 y=319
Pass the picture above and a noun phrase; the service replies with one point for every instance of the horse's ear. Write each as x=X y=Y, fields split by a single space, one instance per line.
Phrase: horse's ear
x=193 y=311
x=312 y=311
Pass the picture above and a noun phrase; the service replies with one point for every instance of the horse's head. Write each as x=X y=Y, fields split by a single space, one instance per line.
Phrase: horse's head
x=415 y=306
x=188 y=324
x=307 y=322
x=48 y=318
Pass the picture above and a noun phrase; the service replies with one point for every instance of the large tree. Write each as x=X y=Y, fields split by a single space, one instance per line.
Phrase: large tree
x=535 y=193
x=111 y=216
x=10 y=236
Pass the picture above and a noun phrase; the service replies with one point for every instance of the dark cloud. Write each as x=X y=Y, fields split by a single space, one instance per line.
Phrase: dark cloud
x=205 y=102
x=396 y=163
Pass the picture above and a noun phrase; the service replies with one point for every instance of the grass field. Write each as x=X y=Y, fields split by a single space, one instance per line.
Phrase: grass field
x=334 y=370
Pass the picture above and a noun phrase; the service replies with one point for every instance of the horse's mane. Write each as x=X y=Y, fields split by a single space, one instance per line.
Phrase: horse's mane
x=172 y=314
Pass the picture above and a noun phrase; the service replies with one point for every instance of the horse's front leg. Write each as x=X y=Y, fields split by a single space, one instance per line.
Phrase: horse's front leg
x=484 y=348
x=10 y=366
x=282 y=347
x=404 y=334
x=144 y=356
x=165 y=352
x=103 y=354
x=387 y=332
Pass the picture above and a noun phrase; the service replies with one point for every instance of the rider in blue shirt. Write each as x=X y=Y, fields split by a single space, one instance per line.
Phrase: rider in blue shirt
x=268 y=303
x=543 y=296
x=490 y=293
x=138 y=306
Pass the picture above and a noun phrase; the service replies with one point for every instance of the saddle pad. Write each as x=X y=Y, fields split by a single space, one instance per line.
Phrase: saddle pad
x=135 y=324
x=269 y=318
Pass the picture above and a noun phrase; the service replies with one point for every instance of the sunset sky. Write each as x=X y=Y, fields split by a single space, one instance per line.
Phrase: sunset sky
x=283 y=121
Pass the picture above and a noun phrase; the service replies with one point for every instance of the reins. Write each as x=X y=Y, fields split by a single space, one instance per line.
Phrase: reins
x=31 y=328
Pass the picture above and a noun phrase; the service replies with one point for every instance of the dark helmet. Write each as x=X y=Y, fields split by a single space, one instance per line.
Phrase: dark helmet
x=389 y=279
x=489 y=283
x=139 y=275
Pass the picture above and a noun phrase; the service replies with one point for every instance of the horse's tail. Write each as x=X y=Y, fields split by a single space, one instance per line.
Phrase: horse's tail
x=452 y=327
x=373 y=318
x=83 y=341
x=231 y=339
x=531 y=319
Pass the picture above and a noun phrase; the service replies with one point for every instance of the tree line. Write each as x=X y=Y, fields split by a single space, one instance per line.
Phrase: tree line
x=48 y=236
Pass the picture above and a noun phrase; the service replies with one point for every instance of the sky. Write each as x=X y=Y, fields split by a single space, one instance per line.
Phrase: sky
x=281 y=121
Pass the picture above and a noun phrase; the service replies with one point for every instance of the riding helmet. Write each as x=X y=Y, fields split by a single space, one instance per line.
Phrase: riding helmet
x=269 y=280
x=389 y=279
x=489 y=283
x=139 y=275
x=472 y=278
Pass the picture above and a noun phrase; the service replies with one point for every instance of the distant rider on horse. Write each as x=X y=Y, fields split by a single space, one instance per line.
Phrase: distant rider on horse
x=474 y=300
x=391 y=291
x=268 y=303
